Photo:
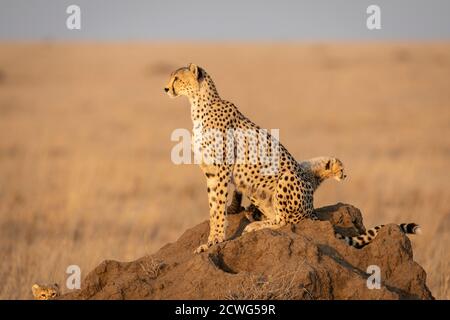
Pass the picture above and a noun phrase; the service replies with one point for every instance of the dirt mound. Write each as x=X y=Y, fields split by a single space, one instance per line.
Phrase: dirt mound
x=305 y=261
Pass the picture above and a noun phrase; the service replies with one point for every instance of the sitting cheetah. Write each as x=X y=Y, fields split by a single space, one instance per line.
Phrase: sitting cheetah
x=320 y=169
x=284 y=196
x=45 y=292
x=258 y=165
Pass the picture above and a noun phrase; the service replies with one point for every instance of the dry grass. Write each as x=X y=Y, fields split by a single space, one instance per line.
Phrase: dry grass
x=152 y=267
x=85 y=170
x=280 y=286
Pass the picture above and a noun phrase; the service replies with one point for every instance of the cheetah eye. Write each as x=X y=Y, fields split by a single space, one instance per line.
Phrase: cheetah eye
x=54 y=294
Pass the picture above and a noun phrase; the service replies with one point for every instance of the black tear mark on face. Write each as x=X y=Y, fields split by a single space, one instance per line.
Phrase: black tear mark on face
x=200 y=74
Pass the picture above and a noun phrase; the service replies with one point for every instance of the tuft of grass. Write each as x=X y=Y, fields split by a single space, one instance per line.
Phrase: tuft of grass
x=280 y=286
x=152 y=267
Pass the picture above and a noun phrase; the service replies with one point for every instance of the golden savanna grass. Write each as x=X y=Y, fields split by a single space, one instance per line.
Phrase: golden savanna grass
x=85 y=168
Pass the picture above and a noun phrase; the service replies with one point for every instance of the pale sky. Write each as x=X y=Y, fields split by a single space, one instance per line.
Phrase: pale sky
x=211 y=20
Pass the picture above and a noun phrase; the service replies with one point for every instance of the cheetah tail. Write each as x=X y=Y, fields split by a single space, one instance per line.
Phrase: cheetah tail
x=367 y=237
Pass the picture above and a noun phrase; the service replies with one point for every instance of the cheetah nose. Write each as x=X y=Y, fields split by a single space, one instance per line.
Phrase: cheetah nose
x=166 y=89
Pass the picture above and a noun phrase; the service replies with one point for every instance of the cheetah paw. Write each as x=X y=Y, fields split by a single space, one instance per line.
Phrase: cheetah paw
x=249 y=216
x=202 y=248
x=210 y=243
x=252 y=227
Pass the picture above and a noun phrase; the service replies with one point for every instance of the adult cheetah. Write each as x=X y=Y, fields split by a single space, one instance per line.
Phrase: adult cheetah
x=232 y=149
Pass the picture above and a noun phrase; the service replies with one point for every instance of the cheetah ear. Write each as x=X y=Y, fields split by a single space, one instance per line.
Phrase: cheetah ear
x=328 y=165
x=196 y=71
x=56 y=285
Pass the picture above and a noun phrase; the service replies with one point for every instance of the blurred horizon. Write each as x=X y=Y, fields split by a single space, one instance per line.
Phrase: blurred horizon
x=177 y=20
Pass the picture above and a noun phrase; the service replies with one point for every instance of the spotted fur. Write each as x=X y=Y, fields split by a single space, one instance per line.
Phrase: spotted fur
x=316 y=169
x=367 y=237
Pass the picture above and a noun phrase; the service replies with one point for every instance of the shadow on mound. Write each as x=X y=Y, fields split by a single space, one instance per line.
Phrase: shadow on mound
x=304 y=261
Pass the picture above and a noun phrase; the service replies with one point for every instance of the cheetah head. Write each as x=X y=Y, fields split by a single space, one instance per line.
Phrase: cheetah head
x=334 y=168
x=45 y=292
x=185 y=81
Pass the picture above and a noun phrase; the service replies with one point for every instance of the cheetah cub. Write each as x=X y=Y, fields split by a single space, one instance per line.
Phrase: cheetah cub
x=45 y=292
x=320 y=169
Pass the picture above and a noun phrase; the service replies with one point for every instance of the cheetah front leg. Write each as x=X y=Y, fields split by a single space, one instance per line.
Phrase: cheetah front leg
x=217 y=186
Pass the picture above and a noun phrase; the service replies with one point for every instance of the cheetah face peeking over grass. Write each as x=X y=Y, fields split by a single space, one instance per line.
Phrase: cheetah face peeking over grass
x=45 y=292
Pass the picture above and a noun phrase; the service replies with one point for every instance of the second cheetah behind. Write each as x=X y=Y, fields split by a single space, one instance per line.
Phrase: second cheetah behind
x=319 y=169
